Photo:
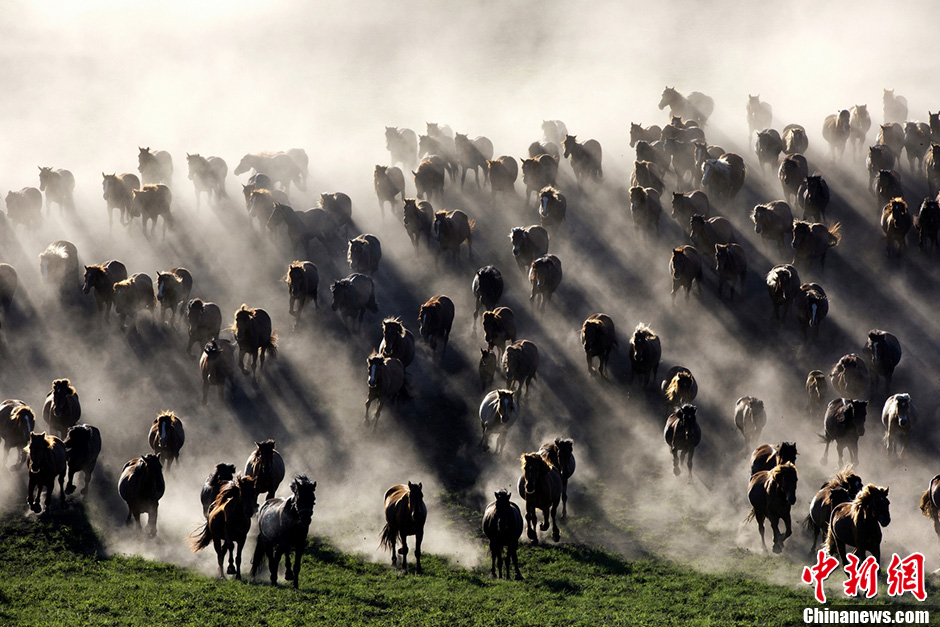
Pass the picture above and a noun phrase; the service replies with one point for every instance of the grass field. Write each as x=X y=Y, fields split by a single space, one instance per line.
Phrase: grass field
x=56 y=572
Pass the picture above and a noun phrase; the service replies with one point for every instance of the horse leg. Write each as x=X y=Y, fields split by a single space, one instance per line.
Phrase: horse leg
x=675 y=462
x=229 y=547
x=61 y=487
x=419 y=536
x=531 y=519
x=689 y=463
x=778 y=537
x=220 y=555
x=87 y=481
x=152 y=522
x=493 y=560
x=274 y=560
x=825 y=457
x=564 y=497
x=238 y=559
x=760 y=528
x=556 y=534
x=298 y=554
x=71 y=486
x=403 y=551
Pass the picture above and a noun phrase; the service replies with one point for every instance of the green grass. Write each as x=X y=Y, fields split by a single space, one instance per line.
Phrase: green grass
x=55 y=572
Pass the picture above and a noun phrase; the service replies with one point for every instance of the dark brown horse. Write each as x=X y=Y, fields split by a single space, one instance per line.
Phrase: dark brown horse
x=817 y=387
x=545 y=276
x=435 y=319
x=502 y=525
x=646 y=208
x=352 y=296
x=397 y=342
x=696 y=106
x=266 y=465
x=896 y=222
x=473 y=155
x=210 y=490
x=154 y=167
x=723 y=178
x=813 y=197
x=487 y=289
x=205 y=322
x=771 y=494
x=102 y=278
x=682 y=434
x=502 y=174
x=216 y=366
x=489 y=363
x=749 y=418
x=645 y=354
x=46 y=461
x=553 y=207
x=731 y=266
x=173 y=289
x=859 y=524
x=883 y=353
x=417 y=216
x=405 y=515
x=386 y=380
x=767 y=456
x=228 y=523
x=303 y=281
x=499 y=327
x=339 y=207
x=82 y=447
x=679 y=386
x=812 y=306
x=133 y=294
x=783 y=284
x=389 y=183
x=813 y=241
x=118 y=192
x=62 y=408
x=887 y=187
x=706 y=233
x=364 y=254
x=932 y=170
x=429 y=179
x=451 y=229
x=773 y=221
x=560 y=454
x=916 y=144
x=17 y=421
x=585 y=158
x=792 y=172
x=598 y=337
x=528 y=243
x=647 y=174
x=253 y=333
x=142 y=486
x=521 y=363
x=540 y=486
x=836 y=130
x=638 y=132
x=538 y=173
x=850 y=377
x=844 y=424
x=685 y=205
x=167 y=437
x=282 y=529
x=768 y=146
x=927 y=223
x=152 y=202
x=842 y=488
x=930 y=503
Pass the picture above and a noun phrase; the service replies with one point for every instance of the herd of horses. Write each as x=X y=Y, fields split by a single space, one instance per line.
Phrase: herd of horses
x=704 y=179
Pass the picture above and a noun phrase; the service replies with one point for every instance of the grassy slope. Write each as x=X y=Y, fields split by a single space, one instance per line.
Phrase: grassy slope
x=54 y=573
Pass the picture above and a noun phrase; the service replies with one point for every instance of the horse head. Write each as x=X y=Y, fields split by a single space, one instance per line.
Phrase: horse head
x=38 y=442
x=242 y=319
x=415 y=500
x=569 y=143
x=264 y=456
x=25 y=417
x=565 y=448
x=392 y=330
x=533 y=468
x=687 y=420
x=518 y=237
x=440 y=218
x=669 y=95
x=61 y=388
x=903 y=402
x=858 y=411
x=374 y=362
x=784 y=476
x=786 y=452
x=505 y=404
x=487 y=362
x=295 y=280
x=874 y=500
x=338 y=290
x=90 y=278
x=304 y=497
x=801 y=230
x=409 y=211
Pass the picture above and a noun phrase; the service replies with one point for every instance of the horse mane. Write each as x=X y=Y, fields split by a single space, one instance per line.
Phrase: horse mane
x=231 y=489
x=374 y=354
x=58 y=383
x=166 y=413
x=643 y=330
x=673 y=387
x=864 y=501
x=779 y=471
x=842 y=479
x=533 y=457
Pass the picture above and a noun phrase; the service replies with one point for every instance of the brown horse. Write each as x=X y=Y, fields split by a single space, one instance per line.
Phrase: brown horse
x=766 y=456
x=706 y=233
x=528 y=243
x=487 y=289
x=850 y=377
x=879 y=158
x=17 y=421
x=750 y=418
x=266 y=465
x=221 y=474
x=58 y=266
x=59 y=186
x=282 y=167
x=82 y=447
x=473 y=155
x=62 y=408
x=647 y=174
x=724 y=177
x=417 y=216
x=154 y=167
x=499 y=327
x=813 y=241
x=208 y=177
x=585 y=158
x=46 y=462
x=205 y=322
x=696 y=106
x=402 y=145
x=598 y=337
x=397 y=342
x=228 y=523
x=429 y=179
x=151 y=202
x=216 y=366
x=812 y=306
x=927 y=223
x=167 y=437
x=679 y=386
x=253 y=333
x=792 y=172
x=560 y=454
x=303 y=281
x=498 y=412
x=888 y=187
x=521 y=363
x=386 y=380
x=836 y=130
x=487 y=367
x=540 y=486
x=685 y=266
x=389 y=183
x=645 y=354
x=502 y=525
x=844 y=424
x=883 y=353
x=685 y=205
x=435 y=319
x=646 y=208
x=768 y=146
x=118 y=192
x=682 y=434
x=859 y=125
x=133 y=294
x=813 y=197
x=405 y=515
x=930 y=503
x=24 y=207
x=773 y=221
x=553 y=207
x=638 y=133
x=352 y=296
x=916 y=143
x=339 y=207
x=896 y=222
x=545 y=277
x=451 y=229
x=899 y=417
x=502 y=174
x=842 y=488
x=538 y=173
x=932 y=170
x=102 y=278
x=794 y=139
x=772 y=493
x=816 y=389
x=731 y=266
x=858 y=523
x=282 y=529
x=173 y=289
x=783 y=284
x=364 y=254
x=142 y=486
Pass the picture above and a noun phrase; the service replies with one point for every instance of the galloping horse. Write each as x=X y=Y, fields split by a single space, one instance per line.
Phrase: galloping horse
x=142 y=486
x=46 y=462
x=499 y=327
x=435 y=319
x=402 y=145
x=17 y=421
x=386 y=379
x=228 y=523
x=487 y=289
x=167 y=437
x=405 y=515
x=842 y=488
x=59 y=186
x=679 y=386
x=352 y=296
x=102 y=278
x=498 y=412
x=502 y=525
x=266 y=465
x=520 y=363
x=220 y=475
x=216 y=366
x=82 y=447
x=783 y=284
x=771 y=494
x=173 y=289
x=598 y=337
x=545 y=276
x=682 y=434
x=540 y=486
x=836 y=130
x=154 y=167
x=898 y=416
x=417 y=219
x=750 y=418
x=930 y=503
x=859 y=524
x=388 y=183
x=696 y=106
x=397 y=342
x=844 y=424
x=452 y=228
x=585 y=158
x=559 y=453
x=280 y=167
x=282 y=529
x=766 y=456
x=205 y=322
x=812 y=307
x=303 y=280
x=208 y=176
x=883 y=352
x=252 y=329
x=645 y=354
x=62 y=408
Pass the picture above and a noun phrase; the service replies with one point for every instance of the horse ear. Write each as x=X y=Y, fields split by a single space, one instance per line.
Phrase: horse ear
x=314 y=485
x=419 y=486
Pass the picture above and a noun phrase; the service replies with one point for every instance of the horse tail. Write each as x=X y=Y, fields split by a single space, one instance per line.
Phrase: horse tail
x=926 y=506
x=259 y=557
x=823 y=438
x=272 y=344
x=472 y=224
x=835 y=234
x=200 y=538
x=831 y=547
x=750 y=516
x=808 y=524
x=387 y=538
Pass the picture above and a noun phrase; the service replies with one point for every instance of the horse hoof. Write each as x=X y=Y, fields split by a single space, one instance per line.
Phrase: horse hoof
x=676 y=472
x=35 y=508
x=778 y=549
x=288 y=576
x=231 y=571
x=70 y=489
x=556 y=536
